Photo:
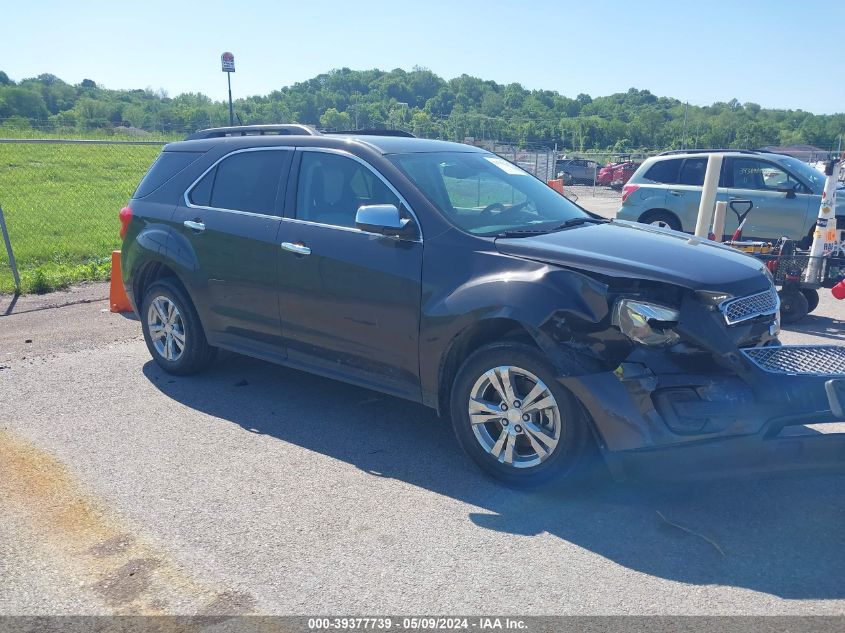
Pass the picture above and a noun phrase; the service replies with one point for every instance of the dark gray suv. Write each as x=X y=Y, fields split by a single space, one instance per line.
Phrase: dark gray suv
x=443 y=274
x=577 y=171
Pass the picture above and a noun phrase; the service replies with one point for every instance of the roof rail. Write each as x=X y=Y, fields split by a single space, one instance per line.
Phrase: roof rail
x=374 y=132
x=710 y=151
x=282 y=129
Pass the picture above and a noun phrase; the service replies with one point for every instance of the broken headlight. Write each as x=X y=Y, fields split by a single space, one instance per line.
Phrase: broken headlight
x=646 y=323
x=712 y=300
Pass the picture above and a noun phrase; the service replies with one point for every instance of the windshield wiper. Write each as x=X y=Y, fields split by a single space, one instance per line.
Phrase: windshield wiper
x=579 y=222
x=521 y=232
x=566 y=225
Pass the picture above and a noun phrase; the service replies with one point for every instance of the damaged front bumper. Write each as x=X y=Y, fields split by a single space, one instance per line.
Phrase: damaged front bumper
x=733 y=417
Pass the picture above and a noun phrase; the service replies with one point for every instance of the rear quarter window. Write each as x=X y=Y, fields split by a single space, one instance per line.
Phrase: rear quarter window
x=167 y=165
x=665 y=171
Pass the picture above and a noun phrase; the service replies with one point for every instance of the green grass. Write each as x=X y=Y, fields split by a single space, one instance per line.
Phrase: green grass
x=471 y=193
x=114 y=134
x=61 y=203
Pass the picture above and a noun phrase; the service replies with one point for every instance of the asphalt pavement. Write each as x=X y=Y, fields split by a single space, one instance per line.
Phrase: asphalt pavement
x=253 y=488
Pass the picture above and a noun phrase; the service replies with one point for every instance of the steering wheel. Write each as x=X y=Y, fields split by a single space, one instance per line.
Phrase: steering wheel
x=487 y=212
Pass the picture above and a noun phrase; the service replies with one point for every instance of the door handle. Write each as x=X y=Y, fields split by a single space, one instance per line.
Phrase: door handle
x=672 y=192
x=199 y=227
x=298 y=248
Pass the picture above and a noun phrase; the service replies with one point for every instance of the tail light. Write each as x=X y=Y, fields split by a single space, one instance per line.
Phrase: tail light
x=627 y=190
x=125 y=218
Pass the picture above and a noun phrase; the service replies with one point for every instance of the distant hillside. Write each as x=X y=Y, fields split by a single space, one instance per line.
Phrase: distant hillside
x=427 y=105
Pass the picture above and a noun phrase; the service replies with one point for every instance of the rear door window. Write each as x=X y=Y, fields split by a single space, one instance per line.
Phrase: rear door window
x=665 y=171
x=244 y=181
x=692 y=172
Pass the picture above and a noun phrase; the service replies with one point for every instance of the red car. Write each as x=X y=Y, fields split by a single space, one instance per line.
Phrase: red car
x=616 y=174
x=605 y=175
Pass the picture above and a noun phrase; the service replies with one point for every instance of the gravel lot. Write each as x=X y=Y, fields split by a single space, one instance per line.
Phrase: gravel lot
x=602 y=200
x=254 y=488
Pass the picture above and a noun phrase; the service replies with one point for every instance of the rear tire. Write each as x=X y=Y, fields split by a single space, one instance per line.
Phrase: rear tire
x=662 y=219
x=172 y=330
x=529 y=442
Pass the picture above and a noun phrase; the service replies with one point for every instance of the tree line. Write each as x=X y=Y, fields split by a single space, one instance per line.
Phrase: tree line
x=427 y=105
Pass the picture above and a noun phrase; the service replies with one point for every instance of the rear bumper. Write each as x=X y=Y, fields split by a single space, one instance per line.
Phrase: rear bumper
x=131 y=295
x=651 y=423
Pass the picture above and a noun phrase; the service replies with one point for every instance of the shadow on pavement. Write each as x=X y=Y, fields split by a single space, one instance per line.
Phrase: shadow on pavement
x=783 y=535
x=10 y=301
x=821 y=326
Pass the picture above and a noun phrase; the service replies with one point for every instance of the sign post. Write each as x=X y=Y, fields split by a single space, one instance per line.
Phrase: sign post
x=227 y=62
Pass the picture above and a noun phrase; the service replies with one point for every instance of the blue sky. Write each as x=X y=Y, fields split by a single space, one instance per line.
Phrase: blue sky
x=769 y=52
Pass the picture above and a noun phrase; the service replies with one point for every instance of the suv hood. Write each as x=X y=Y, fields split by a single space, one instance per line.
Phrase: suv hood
x=639 y=251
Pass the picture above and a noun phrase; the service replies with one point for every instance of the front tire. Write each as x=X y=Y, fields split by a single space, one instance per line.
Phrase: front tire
x=513 y=418
x=172 y=330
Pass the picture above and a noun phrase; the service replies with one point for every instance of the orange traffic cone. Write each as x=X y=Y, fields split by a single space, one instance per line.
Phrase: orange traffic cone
x=556 y=184
x=838 y=290
x=118 y=300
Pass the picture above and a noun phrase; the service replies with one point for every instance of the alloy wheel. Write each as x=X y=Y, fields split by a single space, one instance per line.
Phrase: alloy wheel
x=514 y=416
x=661 y=223
x=167 y=328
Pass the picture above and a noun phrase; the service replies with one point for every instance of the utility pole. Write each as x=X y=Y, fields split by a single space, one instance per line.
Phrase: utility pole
x=684 y=133
x=825 y=232
x=227 y=62
x=356 y=98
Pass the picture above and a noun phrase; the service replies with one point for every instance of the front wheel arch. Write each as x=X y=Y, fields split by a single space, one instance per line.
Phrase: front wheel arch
x=465 y=343
x=654 y=215
x=807 y=241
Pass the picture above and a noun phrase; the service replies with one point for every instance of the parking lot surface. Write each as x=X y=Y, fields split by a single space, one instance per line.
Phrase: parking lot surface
x=255 y=488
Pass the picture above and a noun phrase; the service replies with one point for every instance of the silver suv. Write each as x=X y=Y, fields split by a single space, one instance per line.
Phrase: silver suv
x=666 y=191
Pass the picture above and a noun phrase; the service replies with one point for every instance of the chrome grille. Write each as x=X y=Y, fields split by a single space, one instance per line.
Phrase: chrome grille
x=821 y=360
x=750 y=307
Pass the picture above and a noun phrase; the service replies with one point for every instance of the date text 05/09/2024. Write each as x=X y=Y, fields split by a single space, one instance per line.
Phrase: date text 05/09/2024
x=416 y=623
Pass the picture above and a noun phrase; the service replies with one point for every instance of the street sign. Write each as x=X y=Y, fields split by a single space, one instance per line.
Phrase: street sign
x=227 y=61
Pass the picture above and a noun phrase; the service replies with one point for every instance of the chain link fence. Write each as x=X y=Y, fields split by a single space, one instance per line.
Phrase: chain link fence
x=539 y=163
x=60 y=200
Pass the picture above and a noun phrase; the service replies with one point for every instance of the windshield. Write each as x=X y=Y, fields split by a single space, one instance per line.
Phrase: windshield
x=484 y=194
x=812 y=176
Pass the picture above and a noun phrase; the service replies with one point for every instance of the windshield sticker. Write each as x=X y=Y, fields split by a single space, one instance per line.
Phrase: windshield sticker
x=505 y=166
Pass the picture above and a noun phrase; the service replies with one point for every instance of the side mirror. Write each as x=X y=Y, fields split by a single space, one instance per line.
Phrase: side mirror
x=789 y=191
x=383 y=219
